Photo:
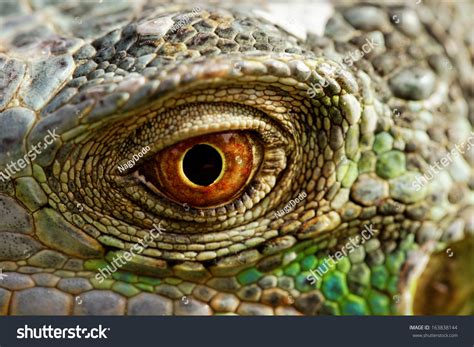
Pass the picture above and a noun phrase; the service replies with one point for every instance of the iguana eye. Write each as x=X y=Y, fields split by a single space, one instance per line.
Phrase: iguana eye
x=212 y=163
x=205 y=171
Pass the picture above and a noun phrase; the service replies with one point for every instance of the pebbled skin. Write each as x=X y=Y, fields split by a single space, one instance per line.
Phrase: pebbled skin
x=114 y=77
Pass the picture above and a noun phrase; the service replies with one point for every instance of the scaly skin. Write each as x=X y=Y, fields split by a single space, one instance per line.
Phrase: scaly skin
x=111 y=79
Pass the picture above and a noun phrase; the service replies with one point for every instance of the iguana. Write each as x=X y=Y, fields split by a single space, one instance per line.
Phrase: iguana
x=264 y=153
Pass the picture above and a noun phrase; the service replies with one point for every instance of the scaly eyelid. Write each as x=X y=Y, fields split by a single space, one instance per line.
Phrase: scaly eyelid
x=207 y=119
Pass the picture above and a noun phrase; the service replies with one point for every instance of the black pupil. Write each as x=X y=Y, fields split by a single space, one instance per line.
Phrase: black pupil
x=202 y=164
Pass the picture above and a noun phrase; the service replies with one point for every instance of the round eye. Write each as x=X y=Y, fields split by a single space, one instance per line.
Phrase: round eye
x=205 y=171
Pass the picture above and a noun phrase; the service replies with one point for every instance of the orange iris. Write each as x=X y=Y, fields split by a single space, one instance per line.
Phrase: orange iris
x=204 y=171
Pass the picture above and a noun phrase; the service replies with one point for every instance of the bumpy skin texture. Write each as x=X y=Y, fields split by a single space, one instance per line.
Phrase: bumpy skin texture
x=114 y=77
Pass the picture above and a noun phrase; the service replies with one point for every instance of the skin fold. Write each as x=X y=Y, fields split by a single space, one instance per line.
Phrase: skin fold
x=360 y=200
